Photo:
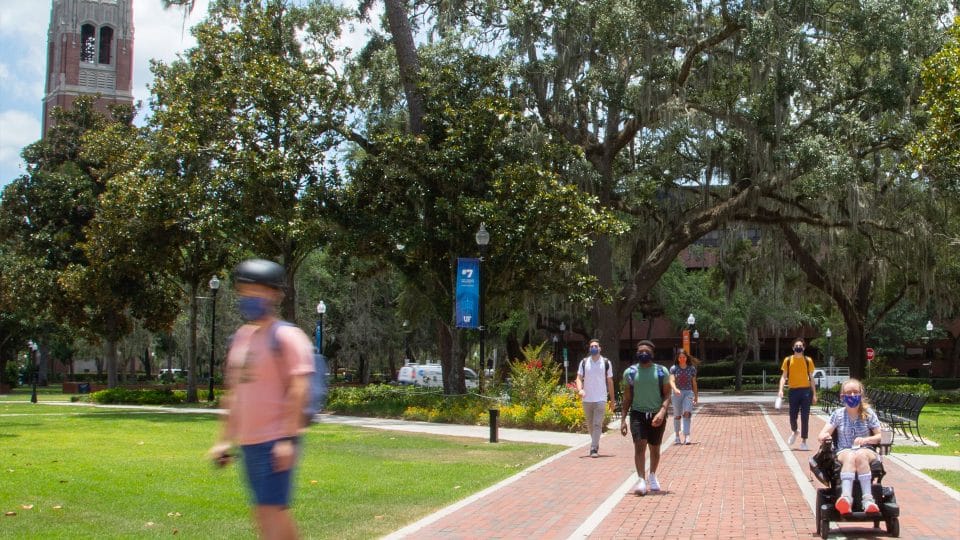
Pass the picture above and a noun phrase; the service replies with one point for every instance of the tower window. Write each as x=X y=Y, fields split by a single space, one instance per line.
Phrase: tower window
x=106 y=43
x=88 y=43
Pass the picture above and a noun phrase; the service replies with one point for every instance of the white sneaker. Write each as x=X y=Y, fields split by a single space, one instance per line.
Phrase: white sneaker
x=652 y=481
x=793 y=438
x=640 y=488
x=803 y=446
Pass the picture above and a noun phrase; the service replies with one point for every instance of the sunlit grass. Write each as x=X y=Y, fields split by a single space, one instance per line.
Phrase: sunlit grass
x=80 y=472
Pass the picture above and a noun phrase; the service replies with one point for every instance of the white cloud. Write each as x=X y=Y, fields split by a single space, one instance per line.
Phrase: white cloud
x=17 y=129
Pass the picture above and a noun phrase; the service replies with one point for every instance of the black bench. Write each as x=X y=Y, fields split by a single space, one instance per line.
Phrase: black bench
x=901 y=410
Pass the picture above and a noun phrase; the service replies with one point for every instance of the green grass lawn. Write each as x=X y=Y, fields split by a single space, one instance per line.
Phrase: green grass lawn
x=79 y=472
x=54 y=392
x=939 y=422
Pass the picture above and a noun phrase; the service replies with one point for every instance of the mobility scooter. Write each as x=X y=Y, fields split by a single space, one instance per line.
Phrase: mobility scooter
x=826 y=468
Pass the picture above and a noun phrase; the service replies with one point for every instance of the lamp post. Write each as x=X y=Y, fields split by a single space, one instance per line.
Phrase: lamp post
x=483 y=240
x=696 y=341
x=214 y=287
x=406 y=342
x=556 y=349
x=927 y=341
x=321 y=309
x=34 y=352
x=563 y=348
x=691 y=320
x=829 y=347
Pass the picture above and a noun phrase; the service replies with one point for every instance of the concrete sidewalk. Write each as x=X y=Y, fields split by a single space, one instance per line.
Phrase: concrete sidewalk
x=738 y=480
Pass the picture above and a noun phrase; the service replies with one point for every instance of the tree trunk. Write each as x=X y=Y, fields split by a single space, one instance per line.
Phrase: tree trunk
x=192 y=346
x=407 y=61
x=110 y=352
x=856 y=344
x=43 y=373
x=451 y=359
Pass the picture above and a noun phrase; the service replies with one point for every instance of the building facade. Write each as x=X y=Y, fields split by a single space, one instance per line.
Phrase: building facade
x=89 y=52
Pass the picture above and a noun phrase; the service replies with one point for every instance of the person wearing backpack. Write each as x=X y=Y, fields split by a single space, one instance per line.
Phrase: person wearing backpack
x=798 y=375
x=646 y=396
x=595 y=387
x=268 y=370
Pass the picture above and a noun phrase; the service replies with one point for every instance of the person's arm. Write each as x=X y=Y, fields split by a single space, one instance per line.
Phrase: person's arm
x=580 y=379
x=611 y=398
x=826 y=432
x=872 y=440
x=783 y=380
x=662 y=413
x=813 y=386
x=625 y=407
x=673 y=384
x=696 y=391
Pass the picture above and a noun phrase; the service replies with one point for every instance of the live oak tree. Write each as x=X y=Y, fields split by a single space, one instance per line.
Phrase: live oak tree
x=273 y=101
x=46 y=218
x=415 y=200
x=936 y=153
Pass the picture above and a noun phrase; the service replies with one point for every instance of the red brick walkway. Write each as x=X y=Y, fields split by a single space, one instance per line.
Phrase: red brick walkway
x=736 y=481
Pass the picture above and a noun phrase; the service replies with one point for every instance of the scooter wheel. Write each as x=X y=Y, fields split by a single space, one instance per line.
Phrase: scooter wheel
x=893 y=527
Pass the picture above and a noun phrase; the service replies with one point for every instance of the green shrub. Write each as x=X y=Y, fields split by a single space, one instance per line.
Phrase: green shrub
x=944 y=397
x=534 y=380
x=125 y=396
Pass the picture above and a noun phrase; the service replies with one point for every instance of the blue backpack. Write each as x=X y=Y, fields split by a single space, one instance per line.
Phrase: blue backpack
x=319 y=385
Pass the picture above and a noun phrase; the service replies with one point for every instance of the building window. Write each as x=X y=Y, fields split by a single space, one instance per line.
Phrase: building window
x=106 y=44
x=88 y=43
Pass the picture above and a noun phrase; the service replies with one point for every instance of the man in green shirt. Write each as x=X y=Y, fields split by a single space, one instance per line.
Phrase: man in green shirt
x=646 y=395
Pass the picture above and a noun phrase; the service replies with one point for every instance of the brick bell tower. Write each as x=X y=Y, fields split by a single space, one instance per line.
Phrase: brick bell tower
x=89 y=51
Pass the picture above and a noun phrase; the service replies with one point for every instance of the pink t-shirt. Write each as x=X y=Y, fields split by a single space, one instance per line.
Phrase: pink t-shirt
x=258 y=376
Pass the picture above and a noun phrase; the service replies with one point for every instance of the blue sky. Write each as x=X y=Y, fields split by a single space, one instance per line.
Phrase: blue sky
x=158 y=34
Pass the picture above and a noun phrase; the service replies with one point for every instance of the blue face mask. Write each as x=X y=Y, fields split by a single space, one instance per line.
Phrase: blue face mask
x=594 y=350
x=852 y=401
x=253 y=308
x=644 y=357
x=798 y=349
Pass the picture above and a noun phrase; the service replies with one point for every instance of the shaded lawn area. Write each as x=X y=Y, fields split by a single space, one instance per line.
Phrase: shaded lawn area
x=80 y=472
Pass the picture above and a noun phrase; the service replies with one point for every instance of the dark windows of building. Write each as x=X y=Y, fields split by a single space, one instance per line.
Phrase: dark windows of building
x=88 y=43
x=106 y=43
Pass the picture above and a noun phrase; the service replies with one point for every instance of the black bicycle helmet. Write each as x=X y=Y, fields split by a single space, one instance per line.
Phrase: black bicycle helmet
x=261 y=272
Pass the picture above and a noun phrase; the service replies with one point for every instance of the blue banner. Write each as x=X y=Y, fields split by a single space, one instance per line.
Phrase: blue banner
x=468 y=293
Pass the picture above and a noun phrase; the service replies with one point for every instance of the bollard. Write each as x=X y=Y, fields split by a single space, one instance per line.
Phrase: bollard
x=494 y=414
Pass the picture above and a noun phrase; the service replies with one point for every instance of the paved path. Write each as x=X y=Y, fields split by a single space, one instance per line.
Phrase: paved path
x=739 y=480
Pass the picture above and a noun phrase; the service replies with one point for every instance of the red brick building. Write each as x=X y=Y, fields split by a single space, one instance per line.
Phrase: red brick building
x=89 y=51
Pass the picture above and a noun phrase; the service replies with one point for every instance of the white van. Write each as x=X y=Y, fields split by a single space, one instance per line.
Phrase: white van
x=829 y=377
x=431 y=376
x=174 y=373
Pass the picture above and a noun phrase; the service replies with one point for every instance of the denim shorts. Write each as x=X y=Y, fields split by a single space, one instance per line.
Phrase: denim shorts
x=268 y=487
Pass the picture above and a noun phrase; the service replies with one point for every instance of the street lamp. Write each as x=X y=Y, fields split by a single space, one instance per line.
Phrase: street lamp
x=406 y=342
x=691 y=320
x=321 y=309
x=696 y=342
x=927 y=340
x=34 y=353
x=829 y=347
x=214 y=287
x=483 y=240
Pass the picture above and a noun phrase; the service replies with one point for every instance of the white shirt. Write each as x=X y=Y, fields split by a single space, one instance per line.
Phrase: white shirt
x=594 y=374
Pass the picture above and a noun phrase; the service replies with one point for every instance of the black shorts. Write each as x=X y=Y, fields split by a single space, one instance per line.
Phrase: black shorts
x=642 y=428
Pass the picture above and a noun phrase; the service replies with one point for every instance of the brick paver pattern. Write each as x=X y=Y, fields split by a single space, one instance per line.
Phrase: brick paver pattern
x=733 y=482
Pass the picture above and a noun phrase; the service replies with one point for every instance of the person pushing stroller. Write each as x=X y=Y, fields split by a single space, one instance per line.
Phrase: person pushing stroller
x=856 y=430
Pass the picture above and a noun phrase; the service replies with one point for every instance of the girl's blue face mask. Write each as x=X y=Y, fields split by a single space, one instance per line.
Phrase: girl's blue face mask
x=253 y=308
x=851 y=401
